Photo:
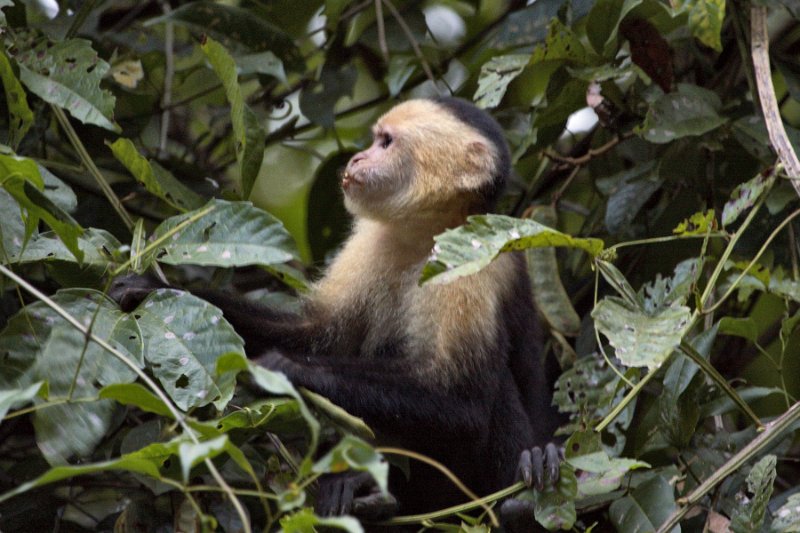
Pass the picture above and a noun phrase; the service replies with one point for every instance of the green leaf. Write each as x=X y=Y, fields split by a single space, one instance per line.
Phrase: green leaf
x=467 y=249
x=191 y=454
x=138 y=462
x=20 y=115
x=67 y=74
x=70 y=430
x=305 y=520
x=401 y=67
x=233 y=234
x=750 y=516
x=787 y=518
x=554 y=507
x=22 y=341
x=248 y=135
x=336 y=81
x=96 y=245
x=21 y=178
x=57 y=191
x=277 y=383
x=691 y=111
x=705 y=19
x=630 y=191
x=338 y=415
x=352 y=453
x=136 y=395
x=18 y=397
x=645 y=508
x=495 y=76
x=699 y=223
x=745 y=195
x=549 y=294
x=640 y=339
x=603 y=22
x=740 y=327
x=184 y=336
x=155 y=178
x=261 y=63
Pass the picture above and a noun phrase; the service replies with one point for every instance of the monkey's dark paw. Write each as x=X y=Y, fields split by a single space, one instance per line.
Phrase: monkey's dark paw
x=535 y=462
x=129 y=291
x=353 y=493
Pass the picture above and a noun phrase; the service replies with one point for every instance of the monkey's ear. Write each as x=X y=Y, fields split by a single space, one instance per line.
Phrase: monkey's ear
x=479 y=162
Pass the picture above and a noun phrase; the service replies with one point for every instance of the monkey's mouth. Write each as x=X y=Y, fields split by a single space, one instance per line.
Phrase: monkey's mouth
x=349 y=180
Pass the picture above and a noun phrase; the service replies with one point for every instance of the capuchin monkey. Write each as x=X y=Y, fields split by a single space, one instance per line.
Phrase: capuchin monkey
x=451 y=371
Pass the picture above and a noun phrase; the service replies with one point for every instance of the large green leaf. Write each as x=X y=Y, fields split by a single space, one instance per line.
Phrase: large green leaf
x=20 y=115
x=25 y=337
x=248 y=134
x=689 y=112
x=232 y=234
x=184 y=336
x=467 y=249
x=67 y=74
x=638 y=338
x=155 y=178
x=645 y=508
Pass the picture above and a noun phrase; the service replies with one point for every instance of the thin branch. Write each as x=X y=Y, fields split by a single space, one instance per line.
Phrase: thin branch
x=411 y=40
x=759 y=47
x=381 y=30
x=773 y=431
x=87 y=162
x=169 y=73
x=591 y=153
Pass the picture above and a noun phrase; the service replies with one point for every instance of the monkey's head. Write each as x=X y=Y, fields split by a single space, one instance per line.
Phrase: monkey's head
x=428 y=157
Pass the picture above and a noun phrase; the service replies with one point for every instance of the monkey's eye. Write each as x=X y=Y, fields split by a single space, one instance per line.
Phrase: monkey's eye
x=386 y=140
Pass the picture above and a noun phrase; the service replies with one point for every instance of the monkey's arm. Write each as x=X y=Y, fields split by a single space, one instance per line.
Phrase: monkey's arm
x=260 y=326
x=383 y=391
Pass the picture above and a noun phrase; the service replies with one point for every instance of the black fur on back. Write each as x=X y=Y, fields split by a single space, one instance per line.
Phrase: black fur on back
x=470 y=114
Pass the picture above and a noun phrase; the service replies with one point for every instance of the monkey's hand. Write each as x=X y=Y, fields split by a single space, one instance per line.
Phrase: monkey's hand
x=517 y=514
x=129 y=291
x=534 y=462
x=354 y=493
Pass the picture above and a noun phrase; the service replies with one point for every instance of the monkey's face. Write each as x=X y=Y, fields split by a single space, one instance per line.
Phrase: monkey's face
x=421 y=159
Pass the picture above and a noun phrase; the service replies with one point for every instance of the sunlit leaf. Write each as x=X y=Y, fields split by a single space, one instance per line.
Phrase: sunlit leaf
x=232 y=234
x=705 y=19
x=640 y=339
x=467 y=249
x=305 y=520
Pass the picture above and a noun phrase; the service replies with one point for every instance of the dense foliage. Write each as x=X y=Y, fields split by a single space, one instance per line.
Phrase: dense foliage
x=660 y=232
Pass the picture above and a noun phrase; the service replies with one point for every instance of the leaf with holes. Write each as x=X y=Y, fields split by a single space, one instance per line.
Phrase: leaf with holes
x=495 y=76
x=68 y=74
x=469 y=248
x=184 y=336
x=641 y=339
x=232 y=234
x=691 y=111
